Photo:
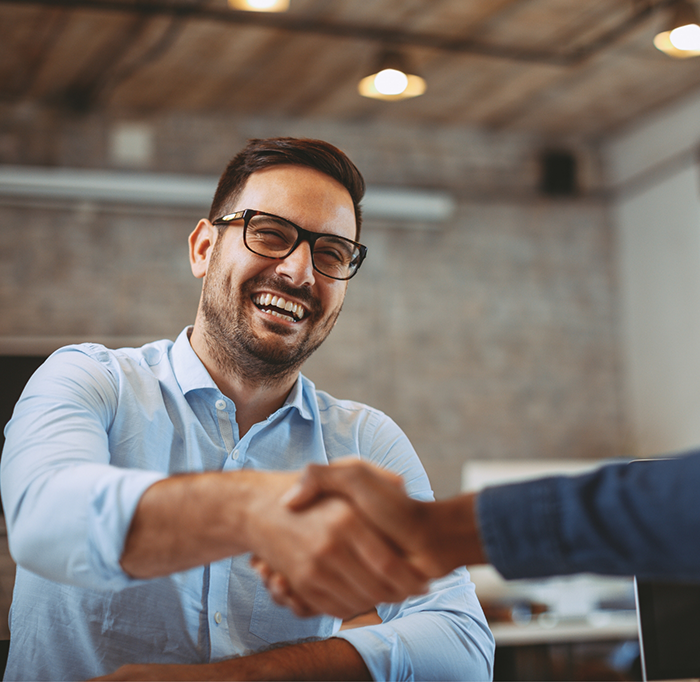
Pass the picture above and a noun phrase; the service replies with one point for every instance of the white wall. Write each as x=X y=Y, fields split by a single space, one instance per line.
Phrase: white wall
x=656 y=215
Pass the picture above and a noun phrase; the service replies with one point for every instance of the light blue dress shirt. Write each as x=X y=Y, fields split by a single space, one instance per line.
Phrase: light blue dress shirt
x=93 y=429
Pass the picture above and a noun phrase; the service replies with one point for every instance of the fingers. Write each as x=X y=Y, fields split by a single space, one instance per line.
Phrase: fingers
x=302 y=494
x=390 y=563
x=280 y=590
x=374 y=570
x=337 y=577
x=337 y=563
x=347 y=477
x=328 y=554
x=377 y=493
x=282 y=593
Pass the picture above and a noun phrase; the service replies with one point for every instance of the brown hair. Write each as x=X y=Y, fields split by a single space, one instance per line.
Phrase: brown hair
x=275 y=151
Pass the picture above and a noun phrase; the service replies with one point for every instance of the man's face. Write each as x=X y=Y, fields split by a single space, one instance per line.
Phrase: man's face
x=244 y=319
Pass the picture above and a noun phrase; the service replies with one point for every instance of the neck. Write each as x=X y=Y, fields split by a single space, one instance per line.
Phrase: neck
x=255 y=398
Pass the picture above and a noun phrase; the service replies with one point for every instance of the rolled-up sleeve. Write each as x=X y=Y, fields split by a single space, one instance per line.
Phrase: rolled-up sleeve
x=68 y=509
x=442 y=635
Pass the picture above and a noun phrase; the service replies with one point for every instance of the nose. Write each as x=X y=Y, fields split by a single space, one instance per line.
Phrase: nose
x=298 y=266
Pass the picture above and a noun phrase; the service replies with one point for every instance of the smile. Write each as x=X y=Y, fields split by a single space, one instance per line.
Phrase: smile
x=279 y=307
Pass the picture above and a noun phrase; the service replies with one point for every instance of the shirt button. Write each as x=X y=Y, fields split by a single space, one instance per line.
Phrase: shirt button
x=220 y=404
x=234 y=454
x=217 y=617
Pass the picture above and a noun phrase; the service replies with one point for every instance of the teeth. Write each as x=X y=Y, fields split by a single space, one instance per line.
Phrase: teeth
x=279 y=302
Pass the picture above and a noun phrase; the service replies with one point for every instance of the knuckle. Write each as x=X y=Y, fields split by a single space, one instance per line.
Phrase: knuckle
x=344 y=520
x=315 y=471
x=390 y=565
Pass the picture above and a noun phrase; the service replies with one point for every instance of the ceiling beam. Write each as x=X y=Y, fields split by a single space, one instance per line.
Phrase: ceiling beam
x=297 y=23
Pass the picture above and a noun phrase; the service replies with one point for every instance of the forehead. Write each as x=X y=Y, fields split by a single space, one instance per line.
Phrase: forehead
x=303 y=195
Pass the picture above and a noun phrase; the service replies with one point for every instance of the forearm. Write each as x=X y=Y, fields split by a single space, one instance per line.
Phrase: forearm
x=194 y=519
x=451 y=533
x=331 y=659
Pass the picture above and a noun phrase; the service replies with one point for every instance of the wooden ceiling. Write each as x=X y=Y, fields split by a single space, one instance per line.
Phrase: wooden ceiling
x=551 y=67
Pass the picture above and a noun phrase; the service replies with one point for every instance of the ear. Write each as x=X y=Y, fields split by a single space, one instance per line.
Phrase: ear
x=201 y=243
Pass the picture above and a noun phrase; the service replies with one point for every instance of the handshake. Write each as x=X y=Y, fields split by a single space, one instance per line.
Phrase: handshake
x=369 y=542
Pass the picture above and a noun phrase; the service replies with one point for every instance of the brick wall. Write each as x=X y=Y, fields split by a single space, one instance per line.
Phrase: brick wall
x=493 y=336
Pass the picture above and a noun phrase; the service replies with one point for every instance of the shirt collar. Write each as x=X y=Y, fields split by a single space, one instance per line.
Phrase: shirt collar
x=191 y=375
x=300 y=397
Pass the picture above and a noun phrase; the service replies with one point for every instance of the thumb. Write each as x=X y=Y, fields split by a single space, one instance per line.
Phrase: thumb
x=306 y=490
x=379 y=494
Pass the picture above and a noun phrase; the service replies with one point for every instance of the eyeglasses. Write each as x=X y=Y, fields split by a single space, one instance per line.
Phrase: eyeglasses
x=270 y=236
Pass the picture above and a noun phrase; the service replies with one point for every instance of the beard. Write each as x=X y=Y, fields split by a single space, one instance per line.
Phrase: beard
x=233 y=343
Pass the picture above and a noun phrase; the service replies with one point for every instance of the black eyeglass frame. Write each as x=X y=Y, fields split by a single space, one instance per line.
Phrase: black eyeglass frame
x=303 y=235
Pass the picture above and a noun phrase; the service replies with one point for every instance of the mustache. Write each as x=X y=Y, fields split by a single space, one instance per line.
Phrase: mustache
x=301 y=294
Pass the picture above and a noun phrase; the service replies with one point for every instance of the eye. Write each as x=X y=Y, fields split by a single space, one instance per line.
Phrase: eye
x=330 y=255
x=274 y=233
x=334 y=251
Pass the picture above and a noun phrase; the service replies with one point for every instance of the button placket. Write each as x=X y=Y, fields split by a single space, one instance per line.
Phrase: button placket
x=222 y=640
x=225 y=425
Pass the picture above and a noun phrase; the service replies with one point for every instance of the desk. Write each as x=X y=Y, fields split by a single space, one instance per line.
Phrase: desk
x=570 y=649
x=598 y=627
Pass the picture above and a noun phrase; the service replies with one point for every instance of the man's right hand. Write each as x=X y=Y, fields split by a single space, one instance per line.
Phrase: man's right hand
x=333 y=558
x=336 y=560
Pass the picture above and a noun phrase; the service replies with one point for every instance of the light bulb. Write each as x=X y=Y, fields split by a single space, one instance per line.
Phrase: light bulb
x=686 y=37
x=390 y=82
x=260 y=5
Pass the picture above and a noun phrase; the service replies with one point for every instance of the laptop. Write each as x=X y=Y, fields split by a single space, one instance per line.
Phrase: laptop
x=668 y=616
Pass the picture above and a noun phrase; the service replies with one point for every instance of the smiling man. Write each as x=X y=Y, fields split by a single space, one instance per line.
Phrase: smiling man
x=138 y=482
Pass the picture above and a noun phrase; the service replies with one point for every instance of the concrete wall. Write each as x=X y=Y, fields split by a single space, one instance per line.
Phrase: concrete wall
x=492 y=336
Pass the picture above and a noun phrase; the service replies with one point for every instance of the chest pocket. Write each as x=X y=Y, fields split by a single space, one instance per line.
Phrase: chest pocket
x=274 y=623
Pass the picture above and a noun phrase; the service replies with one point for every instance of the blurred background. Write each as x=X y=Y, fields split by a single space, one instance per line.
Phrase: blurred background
x=532 y=287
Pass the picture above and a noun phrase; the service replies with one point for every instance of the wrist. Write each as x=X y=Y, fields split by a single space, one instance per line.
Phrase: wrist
x=457 y=526
x=259 y=508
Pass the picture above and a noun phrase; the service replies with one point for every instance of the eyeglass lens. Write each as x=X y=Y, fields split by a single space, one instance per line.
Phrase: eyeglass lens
x=274 y=237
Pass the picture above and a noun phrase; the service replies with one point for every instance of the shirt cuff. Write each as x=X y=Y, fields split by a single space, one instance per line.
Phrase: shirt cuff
x=113 y=505
x=520 y=528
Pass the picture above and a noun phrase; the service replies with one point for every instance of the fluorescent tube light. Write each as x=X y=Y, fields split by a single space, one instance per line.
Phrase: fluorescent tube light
x=163 y=189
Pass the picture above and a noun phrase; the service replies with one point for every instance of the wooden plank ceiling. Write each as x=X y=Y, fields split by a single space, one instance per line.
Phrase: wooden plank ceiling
x=551 y=67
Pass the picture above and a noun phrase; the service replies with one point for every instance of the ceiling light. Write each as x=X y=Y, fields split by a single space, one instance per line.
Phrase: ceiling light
x=392 y=80
x=260 y=5
x=682 y=38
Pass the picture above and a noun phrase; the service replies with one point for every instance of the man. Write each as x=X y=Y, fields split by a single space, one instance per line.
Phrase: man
x=638 y=518
x=135 y=482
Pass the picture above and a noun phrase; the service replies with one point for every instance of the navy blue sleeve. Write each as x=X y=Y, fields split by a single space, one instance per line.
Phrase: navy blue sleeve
x=639 y=518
